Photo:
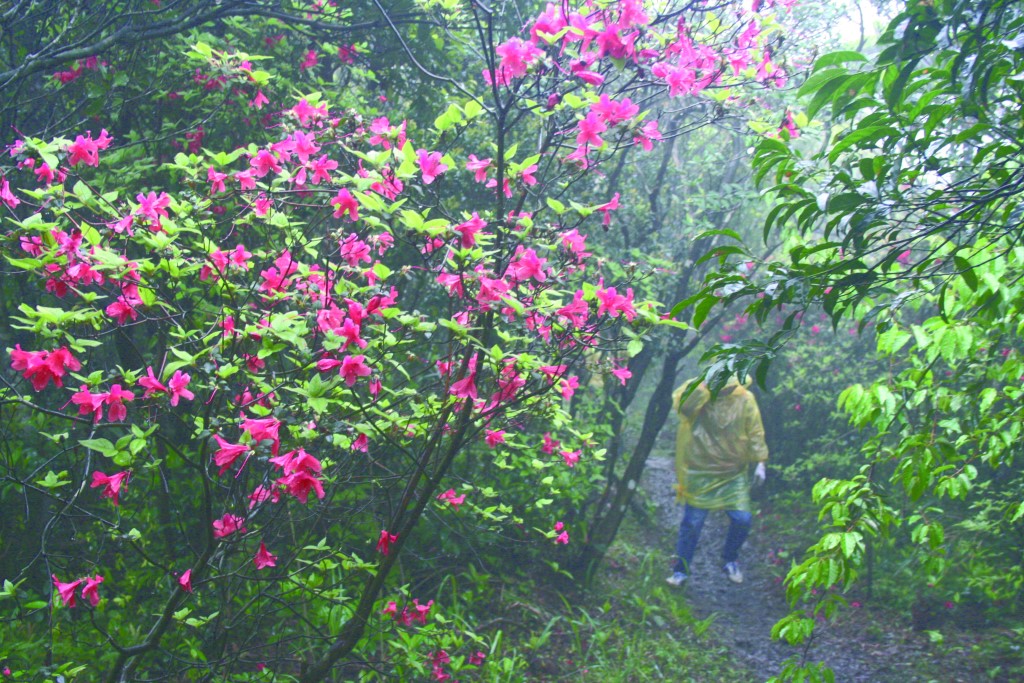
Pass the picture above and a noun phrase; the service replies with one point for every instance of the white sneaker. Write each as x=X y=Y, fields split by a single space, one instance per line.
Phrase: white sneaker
x=676 y=579
x=732 y=570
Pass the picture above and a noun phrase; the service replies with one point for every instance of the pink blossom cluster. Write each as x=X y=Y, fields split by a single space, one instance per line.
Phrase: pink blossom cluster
x=417 y=613
x=81 y=66
x=90 y=589
x=42 y=367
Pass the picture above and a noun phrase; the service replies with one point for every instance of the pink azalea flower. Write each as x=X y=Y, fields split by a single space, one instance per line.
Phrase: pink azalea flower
x=353 y=250
x=259 y=100
x=310 y=60
x=111 y=484
x=590 y=129
x=528 y=265
x=549 y=444
x=66 y=591
x=227 y=525
x=494 y=437
x=612 y=112
x=420 y=611
x=606 y=209
x=216 y=180
x=305 y=112
x=322 y=168
x=575 y=312
x=178 y=387
x=430 y=165
x=479 y=168
x=262 y=205
x=264 y=429
x=89 y=402
x=385 y=541
x=152 y=206
x=517 y=56
x=42 y=367
x=345 y=203
x=6 y=196
x=90 y=591
x=354 y=367
x=622 y=373
x=263 y=558
x=185 y=581
x=452 y=499
x=151 y=383
x=227 y=453
x=469 y=229
x=85 y=150
x=246 y=179
x=466 y=387
x=116 y=409
x=264 y=162
x=647 y=135
x=261 y=494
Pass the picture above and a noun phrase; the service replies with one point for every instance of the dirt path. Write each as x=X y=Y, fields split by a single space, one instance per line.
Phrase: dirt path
x=745 y=614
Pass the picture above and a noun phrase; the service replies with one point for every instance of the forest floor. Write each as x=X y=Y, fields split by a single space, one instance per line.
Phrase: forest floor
x=865 y=644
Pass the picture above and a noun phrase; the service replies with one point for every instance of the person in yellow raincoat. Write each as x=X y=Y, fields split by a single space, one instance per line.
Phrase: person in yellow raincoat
x=717 y=442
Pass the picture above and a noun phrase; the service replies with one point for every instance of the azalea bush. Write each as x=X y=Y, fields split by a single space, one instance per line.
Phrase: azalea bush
x=245 y=380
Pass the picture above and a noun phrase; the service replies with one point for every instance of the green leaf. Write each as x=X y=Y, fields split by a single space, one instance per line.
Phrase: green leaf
x=103 y=446
x=837 y=58
x=53 y=480
x=555 y=205
x=966 y=272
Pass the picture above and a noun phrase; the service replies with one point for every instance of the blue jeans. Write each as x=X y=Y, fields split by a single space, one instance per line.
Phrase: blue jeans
x=689 y=534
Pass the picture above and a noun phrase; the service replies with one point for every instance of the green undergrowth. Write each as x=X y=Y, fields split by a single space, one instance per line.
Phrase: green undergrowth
x=628 y=626
x=930 y=633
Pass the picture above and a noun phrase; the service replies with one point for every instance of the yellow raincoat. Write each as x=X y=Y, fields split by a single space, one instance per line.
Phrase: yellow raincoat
x=716 y=443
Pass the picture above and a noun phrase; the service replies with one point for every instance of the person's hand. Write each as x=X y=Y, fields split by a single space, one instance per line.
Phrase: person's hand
x=759 y=473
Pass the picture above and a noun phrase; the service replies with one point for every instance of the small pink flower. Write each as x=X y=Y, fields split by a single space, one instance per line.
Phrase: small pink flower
x=310 y=60
x=178 y=387
x=185 y=581
x=227 y=525
x=430 y=165
x=385 y=541
x=90 y=591
x=452 y=499
x=352 y=368
x=263 y=558
x=66 y=591
x=111 y=484
x=494 y=437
